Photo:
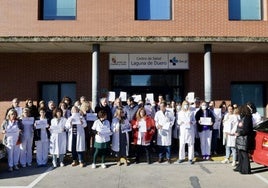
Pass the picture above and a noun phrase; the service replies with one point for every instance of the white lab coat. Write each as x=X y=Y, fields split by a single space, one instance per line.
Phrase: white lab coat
x=80 y=143
x=229 y=126
x=164 y=136
x=99 y=126
x=186 y=122
x=115 y=139
x=58 y=136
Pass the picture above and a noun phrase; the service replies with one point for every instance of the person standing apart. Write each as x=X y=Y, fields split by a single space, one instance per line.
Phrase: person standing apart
x=205 y=129
x=58 y=137
x=120 y=140
x=11 y=128
x=102 y=129
x=186 y=122
x=27 y=138
x=164 y=121
x=41 y=126
x=244 y=137
x=75 y=125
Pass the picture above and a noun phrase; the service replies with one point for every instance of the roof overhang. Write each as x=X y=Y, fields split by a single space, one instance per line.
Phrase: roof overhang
x=135 y=44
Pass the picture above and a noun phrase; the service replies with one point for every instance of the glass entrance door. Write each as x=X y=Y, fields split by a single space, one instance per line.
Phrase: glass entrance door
x=168 y=84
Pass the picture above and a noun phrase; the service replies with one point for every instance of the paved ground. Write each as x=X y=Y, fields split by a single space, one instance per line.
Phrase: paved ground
x=201 y=174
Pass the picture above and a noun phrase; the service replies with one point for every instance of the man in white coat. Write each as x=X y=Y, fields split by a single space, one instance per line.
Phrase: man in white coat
x=164 y=120
x=76 y=136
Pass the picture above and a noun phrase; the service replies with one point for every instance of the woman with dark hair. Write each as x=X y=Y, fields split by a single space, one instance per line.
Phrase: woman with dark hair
x=58 y=137
x=33 y=109
x=244 y=137
x=102 y=129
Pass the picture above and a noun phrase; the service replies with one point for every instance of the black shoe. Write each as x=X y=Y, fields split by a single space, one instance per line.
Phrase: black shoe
x=160 y=160
x=236 y=170
x=169 y=161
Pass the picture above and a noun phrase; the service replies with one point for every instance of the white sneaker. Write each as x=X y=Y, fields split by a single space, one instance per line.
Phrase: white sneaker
x=93 y=166
x=225 y=161
x=103 y=165
x=10 y=169
x=54 y=165
x=233 y=163
x=61 y=164
x=16 y=167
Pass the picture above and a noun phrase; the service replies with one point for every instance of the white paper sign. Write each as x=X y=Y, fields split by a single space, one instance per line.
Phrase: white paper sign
x=150 y=97
x=123 y=96
x=41 y=124
x=111 y=96
x=91 y=116
x=137 y=98
x=56 y=129
x=125 y=128
x=166 y=126
x=28 y=121
x=190 y=97
x=142 y=126
x=205 y=121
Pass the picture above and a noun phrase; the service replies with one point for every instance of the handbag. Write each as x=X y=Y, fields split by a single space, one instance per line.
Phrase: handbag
x=242 y=143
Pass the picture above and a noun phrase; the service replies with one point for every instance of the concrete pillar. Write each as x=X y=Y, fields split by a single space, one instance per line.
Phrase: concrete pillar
x=207 y=72
x=95 y=74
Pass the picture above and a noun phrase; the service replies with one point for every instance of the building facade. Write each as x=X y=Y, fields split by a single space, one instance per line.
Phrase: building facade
x=215 y=48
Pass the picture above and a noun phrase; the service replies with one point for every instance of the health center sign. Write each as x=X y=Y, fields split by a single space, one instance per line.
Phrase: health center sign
x=148 y=61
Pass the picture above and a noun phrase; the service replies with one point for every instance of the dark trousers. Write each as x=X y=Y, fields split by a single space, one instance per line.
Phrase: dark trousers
x=214 y=140
x=76 y=154
x=243 y=162
x=140 y=149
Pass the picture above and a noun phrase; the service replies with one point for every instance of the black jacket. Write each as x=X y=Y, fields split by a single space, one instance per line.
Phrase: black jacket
x=200 y=114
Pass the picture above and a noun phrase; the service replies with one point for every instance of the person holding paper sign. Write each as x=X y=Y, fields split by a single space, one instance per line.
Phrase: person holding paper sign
x=120 y=141
x=11 y=128
x=75 y=125
x=41 y=125
x=143 y=130
x=205 y=120
x=102 y=139
x=58 y=137
x=27 y=138
x=164 y=121
x=186 y=122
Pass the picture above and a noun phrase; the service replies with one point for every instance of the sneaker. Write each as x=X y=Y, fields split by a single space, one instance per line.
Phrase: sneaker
x=93 y=166
x=54 y=165
x=81 y=164
x=61 y=164
x=10 y=169
x=118 y=163
x=74 y=163
x=23 y=166
x=180 y=161
x=191 y=162
x=29 y=164
x=208 y=158
x=103 y=165
x=233 y=163
x=16 y=167
x=225 y=161
x=169 y=161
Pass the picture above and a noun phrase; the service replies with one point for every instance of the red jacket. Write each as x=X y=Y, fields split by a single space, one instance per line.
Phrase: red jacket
x=150 y=125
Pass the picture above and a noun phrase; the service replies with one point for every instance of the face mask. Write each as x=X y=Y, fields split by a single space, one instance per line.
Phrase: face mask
x=178 y=108
x=186 y=107
x=204 y=107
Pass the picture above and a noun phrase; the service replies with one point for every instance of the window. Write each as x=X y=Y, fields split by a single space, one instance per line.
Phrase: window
x=241 y=93
x=56 y=91
x=245 y=9
x=153 y=9
x=57 y=9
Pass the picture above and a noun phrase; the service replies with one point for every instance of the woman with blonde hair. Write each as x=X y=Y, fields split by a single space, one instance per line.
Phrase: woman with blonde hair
x=120 y=140
x=11 y=128
x=186 y=122
x=143 y=130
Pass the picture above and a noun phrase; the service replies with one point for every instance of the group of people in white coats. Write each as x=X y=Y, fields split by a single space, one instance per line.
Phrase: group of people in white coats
x=20 y=133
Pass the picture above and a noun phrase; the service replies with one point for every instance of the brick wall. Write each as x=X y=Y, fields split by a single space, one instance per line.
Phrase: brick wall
x=116 y=18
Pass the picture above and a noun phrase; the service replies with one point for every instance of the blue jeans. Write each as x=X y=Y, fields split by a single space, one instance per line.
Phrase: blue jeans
x=163 y=150
x=228 y=152
x=76 y=154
